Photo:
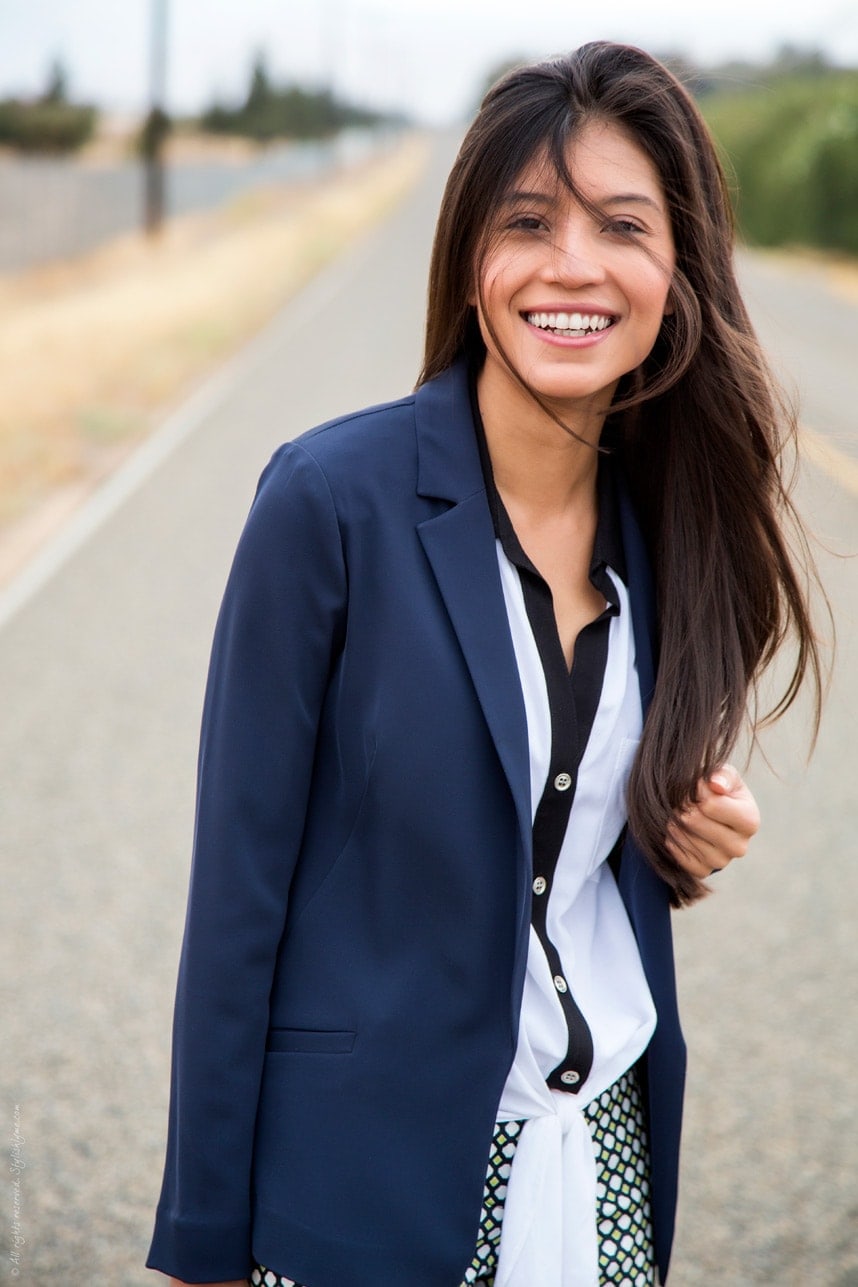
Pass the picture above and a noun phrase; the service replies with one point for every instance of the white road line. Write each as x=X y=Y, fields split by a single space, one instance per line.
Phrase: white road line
x=151 y=454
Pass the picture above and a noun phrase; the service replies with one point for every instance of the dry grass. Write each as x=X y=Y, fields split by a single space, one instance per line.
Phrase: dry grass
x=93 y=352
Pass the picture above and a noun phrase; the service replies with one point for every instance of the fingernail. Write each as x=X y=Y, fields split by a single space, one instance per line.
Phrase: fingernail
x=721 y=780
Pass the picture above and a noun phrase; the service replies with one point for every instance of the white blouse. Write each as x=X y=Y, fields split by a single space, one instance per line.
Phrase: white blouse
x=548 y=1232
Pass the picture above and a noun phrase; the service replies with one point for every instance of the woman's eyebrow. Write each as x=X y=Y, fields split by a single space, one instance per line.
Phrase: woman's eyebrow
x=511 y=198
x=614 y=199
x=634 y=198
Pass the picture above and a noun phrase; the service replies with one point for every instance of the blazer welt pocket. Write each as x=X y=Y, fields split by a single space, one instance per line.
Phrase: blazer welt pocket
x=309 y=1041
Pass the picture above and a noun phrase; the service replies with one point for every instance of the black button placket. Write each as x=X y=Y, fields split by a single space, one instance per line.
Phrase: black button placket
x=573 y=701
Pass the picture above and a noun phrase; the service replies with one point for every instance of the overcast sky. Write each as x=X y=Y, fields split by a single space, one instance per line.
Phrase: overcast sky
x=429 y=56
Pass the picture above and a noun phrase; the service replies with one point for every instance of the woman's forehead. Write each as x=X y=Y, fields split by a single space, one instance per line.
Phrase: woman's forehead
x=599 y=158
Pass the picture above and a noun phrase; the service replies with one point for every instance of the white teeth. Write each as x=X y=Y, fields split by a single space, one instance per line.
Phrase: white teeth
x=578 y=323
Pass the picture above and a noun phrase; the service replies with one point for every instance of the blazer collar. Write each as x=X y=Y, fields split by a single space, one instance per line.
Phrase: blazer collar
x=449 y=468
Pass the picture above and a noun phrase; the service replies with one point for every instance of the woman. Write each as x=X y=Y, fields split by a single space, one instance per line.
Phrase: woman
x=420 y=932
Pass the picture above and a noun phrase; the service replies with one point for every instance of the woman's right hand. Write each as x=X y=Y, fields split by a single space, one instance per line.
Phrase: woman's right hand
x=717 y=827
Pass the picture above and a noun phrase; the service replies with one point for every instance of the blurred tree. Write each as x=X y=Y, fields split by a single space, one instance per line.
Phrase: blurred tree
x=792 y=143
x=57 y=91
x=834 y=179
x=272 y=111
x=793 y=59
x=261 y=93
x=49 y=122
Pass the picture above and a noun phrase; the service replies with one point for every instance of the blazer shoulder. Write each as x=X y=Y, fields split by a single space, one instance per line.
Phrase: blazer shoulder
x=362 y=435
x=369 y=454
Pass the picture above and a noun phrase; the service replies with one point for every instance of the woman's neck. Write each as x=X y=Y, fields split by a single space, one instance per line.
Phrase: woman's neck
x=536 y=464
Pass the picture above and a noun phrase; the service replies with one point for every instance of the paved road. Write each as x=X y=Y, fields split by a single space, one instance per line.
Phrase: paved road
x=812 y=336
x=102 y=675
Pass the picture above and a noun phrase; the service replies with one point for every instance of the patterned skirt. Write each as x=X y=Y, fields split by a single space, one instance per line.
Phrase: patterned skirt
x=618 y=1128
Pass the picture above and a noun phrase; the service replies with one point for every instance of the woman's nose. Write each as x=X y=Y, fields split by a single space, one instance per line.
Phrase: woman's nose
x=573 y=257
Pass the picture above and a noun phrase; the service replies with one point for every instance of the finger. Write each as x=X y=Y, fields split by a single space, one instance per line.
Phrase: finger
x=739 y=813
x=726 y=827
x=726 y=839
x=711 y=844
x=689 y=860
x=725 y=780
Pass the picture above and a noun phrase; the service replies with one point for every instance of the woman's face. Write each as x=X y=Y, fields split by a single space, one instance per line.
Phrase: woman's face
x=576 y=298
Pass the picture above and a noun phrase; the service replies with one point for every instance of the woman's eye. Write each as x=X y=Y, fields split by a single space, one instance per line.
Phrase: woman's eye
x=527 y=223
x=624 y=226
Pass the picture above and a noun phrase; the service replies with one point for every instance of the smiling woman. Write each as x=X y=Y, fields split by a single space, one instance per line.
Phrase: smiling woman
x=481 y=658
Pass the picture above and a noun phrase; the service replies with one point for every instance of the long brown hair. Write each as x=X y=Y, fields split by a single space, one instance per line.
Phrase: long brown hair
x=701 y=423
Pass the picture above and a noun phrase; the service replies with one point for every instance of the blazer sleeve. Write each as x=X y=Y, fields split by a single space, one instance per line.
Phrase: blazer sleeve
x=278 y=631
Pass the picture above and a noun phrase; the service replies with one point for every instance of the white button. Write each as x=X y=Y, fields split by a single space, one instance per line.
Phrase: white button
x=560 y=983
x=563 y=781
x=540 y=885
x=570 y=1077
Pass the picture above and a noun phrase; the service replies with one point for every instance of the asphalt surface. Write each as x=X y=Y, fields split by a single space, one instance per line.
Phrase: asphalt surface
x=101 y=679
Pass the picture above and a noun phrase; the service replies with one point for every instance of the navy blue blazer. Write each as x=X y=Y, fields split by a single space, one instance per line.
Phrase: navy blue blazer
x=357 y=928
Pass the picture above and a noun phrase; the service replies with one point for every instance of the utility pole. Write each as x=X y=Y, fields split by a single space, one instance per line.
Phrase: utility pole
x=157 y=124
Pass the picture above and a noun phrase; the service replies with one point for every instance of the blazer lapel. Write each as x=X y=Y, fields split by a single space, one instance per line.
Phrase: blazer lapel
x=460 y=546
